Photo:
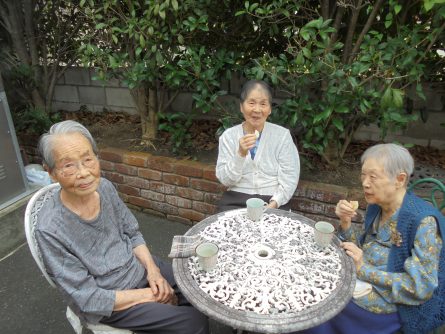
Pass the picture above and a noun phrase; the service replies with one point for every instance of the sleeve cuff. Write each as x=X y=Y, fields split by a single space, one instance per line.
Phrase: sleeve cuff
x=111 y=298
x=137 y=241
x=345 y=234
x=366 y=272
x=276 y=199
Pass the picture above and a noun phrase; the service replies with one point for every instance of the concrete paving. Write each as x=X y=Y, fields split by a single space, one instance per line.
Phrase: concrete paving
x=29 y=305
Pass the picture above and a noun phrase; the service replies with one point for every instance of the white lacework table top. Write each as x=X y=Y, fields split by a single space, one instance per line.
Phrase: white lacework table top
x=271 y=277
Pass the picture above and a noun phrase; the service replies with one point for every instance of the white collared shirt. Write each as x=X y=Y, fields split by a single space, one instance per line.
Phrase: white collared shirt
x=274 y=171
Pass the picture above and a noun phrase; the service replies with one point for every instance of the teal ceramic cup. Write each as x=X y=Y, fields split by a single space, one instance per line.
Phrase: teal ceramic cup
x=255 y=208
x=207 y=253
x=323 y=234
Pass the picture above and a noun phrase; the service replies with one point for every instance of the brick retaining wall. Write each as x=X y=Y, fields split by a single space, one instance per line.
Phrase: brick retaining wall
x=187 y=191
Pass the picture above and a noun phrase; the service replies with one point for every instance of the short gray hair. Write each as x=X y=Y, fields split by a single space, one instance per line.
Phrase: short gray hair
x=395 y=159
x=47 y=140
x=251 y=85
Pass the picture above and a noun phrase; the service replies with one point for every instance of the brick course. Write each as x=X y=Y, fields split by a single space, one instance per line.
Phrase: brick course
x=161 y=163
x=136 y=159
x=178 y=201
x=190 y=193
x=125 y=169
x=206 y=186
x=153 y=195
x=191 y=215
x=113 y=177
x=107 y=165
x=176 y=179
x=188 y=168
x=208 y=173
x=137 y=182
x=112 y=154
x=150 y=174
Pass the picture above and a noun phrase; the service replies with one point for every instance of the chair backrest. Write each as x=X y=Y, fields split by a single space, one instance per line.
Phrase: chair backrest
x=31 y=214
x=430 y=189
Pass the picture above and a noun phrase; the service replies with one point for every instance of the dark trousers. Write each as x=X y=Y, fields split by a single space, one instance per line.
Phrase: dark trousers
x=160 y=318
x=354 y=319
x=232 y=200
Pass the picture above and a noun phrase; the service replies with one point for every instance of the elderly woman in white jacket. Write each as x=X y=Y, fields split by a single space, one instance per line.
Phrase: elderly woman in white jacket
x=257 y=158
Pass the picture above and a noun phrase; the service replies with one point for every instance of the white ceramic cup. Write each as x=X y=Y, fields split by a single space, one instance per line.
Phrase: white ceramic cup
x=207 y=253
x=324 y=232
x=255 y=208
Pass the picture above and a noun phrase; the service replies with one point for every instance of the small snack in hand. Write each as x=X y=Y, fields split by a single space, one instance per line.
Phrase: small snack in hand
x=354 y=205
x=257 y=134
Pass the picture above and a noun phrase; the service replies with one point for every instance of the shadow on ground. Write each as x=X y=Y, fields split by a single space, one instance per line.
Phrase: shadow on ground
x=29 y=305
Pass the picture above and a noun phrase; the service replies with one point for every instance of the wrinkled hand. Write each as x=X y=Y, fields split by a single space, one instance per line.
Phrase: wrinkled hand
x=246 y=143
x=272 y=205
x=345 y=211
x=353 y=251
x=162 y=290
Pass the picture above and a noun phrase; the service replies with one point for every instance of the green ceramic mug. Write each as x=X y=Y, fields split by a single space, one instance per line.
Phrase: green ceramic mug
x=255 y=208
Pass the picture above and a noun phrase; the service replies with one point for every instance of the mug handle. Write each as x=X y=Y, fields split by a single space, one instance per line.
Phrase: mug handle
x=265 y=206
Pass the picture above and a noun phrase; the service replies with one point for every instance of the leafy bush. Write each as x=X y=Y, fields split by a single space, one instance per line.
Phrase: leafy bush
x=177 y=125
x=341 y=64
x=337 y=79
x=33 y=120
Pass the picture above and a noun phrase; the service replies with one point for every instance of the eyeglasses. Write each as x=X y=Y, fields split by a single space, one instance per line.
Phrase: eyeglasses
x=72 y=168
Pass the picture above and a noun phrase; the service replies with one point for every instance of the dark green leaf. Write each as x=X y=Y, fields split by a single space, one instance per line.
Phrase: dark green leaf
x=307 y=53
x=397 y=98
x=338 y=123
x=305 y=34
x=175 y=5
x=386 y=100
x=342 y=109
x=315 y=23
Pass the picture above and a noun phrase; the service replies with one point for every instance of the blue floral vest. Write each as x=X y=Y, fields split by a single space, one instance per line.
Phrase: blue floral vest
x=431 y=314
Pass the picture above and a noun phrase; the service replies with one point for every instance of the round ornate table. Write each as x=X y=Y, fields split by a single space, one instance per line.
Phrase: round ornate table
x=271 y=277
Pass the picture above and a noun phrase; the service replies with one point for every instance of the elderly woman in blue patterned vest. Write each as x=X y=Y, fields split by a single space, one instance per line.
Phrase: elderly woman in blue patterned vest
x=398 y=252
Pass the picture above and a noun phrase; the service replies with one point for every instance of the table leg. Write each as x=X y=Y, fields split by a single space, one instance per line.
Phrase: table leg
x=238 y=331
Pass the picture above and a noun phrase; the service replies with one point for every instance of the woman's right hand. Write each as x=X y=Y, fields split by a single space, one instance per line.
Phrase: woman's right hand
x=246 y=143
x=345 y=212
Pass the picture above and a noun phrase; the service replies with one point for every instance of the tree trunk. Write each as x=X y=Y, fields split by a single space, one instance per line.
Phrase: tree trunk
x=351 y=30
x=38 y=101
x=146 y=104
x=331 y=154
x=151 y=128
x=365 y=29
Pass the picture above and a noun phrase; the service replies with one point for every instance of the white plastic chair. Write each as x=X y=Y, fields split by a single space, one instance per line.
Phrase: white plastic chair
x=32 y=211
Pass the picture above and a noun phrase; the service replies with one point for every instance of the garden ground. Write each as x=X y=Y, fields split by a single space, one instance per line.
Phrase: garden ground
x=123 y=131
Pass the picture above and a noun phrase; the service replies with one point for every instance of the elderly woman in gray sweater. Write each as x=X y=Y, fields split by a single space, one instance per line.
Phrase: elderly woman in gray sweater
x=257 y=158
x=92 y=248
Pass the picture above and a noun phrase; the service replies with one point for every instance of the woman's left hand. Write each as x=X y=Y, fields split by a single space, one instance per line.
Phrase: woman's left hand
x=272 y=205
x=353 y=251
x=160 y=287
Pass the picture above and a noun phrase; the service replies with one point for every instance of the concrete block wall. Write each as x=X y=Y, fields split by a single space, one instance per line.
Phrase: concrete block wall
x=429 y=130
x=187 y=191
x=77 y=89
